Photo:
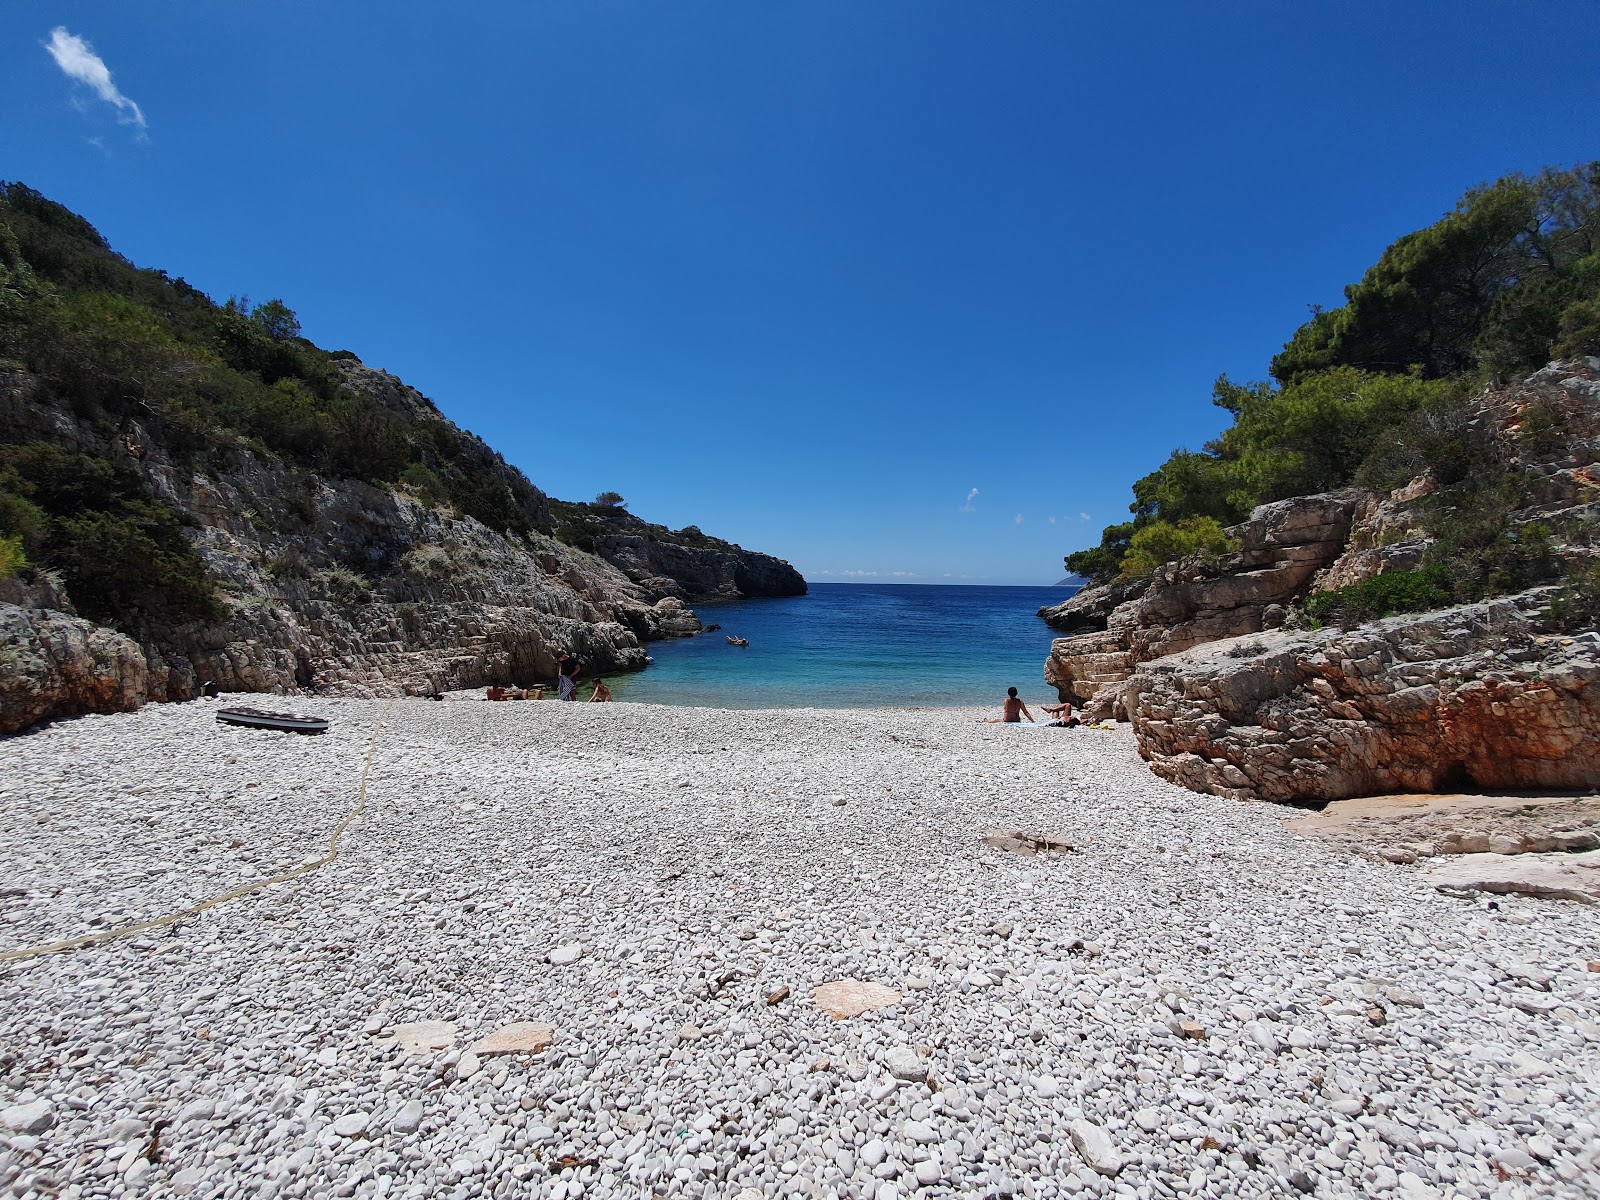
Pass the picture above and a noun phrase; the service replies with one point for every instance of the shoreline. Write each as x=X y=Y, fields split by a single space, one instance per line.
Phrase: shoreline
x=1192 y=988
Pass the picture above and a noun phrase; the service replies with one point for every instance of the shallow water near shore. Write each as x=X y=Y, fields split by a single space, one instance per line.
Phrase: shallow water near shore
x=858 y=646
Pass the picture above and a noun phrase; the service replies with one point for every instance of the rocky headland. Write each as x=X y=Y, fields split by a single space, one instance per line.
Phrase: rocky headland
x=1234 y=687
x=200 y=495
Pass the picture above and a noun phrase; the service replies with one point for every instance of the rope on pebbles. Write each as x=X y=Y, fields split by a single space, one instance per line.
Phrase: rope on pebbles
x=306 y=868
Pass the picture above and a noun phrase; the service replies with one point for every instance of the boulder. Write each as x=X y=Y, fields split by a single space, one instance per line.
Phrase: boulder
x=53 y=665
x=1474 y=696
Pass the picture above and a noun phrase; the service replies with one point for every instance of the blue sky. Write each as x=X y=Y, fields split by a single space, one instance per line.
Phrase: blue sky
x=803 y=274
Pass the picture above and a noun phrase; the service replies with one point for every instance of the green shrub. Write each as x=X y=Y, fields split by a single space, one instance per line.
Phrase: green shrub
x=1162 y=542
x=1383 y=595
x=345 y=586
x=425 y=484
x=121 y=552
x=133 y=568
x=575 y=535
x=13 y=557
x=1575 y=607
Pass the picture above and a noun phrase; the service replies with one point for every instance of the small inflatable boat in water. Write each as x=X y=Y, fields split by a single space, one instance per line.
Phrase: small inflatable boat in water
x=258 y=718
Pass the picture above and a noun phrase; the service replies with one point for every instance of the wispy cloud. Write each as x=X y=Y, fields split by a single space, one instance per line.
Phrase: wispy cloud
x=1052 y=520
x=971 y=496
x=877 y=574
x=1017 y=518
x=80 y=63
x=1084 y=517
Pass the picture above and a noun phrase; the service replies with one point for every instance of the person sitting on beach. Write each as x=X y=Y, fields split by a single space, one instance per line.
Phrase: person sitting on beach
x=496 y=692
x=1062 y=714
x=1013 y=709
x=602 y=694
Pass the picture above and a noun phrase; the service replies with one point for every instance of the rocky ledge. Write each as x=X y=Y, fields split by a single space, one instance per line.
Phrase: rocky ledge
x=1476 y=696
x=1117 y=626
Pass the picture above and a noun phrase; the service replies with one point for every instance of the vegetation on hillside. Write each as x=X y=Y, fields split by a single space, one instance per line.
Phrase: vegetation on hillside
x=582 y=526
x=1376 y=392
x=143 y=360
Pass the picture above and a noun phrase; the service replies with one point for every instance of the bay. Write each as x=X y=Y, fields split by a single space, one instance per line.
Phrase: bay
x=858 y=646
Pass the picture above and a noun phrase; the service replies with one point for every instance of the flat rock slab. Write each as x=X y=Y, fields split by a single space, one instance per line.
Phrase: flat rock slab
x=846 y=998
x=1017 y=841
x=423 y=1038
x=1403 y=828
x=528 y=1037
x=1553 y=876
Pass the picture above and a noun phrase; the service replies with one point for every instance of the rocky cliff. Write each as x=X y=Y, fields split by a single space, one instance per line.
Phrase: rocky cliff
x=1236 y=686
x=1481 y=696
x=197 y=495
x=323 y=583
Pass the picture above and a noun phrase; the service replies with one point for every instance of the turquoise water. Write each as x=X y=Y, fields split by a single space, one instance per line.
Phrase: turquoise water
x=858 y=646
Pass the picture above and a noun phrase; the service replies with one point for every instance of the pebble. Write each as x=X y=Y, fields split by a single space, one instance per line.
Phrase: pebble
x=385 y=1027
x=1095 y=1145
x=36 y=1116
x=409 y=1118
x=903 y=1062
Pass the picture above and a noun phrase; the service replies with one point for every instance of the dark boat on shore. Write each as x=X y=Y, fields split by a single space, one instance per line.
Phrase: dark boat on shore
x=256 y=718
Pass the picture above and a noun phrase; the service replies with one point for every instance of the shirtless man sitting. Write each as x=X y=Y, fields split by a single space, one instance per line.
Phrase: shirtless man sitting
x=1013 y=709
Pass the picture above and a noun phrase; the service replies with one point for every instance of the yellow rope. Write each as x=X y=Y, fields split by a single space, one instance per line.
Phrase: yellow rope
x=106 y=935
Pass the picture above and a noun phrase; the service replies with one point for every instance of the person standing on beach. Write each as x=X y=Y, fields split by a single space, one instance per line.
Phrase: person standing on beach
x=566 y=677
x=1013 y=709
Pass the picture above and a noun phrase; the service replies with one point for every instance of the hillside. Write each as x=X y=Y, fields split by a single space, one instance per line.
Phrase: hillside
x=1382 y=389
x=192 y=491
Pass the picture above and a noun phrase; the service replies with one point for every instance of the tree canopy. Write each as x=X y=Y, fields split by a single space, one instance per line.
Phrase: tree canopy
x=1499 y=286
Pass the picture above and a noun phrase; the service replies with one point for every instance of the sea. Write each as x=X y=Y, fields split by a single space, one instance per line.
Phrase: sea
x=858 y=646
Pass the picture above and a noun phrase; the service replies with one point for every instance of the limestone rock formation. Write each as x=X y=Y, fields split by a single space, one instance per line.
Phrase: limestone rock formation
x=712 y=570
x=339 y=585
x=53 y=664
x=1195 y=601
x=1320 y=543
x=1552 y=876
x=1478 y=695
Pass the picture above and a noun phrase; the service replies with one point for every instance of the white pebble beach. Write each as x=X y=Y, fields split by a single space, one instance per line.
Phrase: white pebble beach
x=1193 y=1001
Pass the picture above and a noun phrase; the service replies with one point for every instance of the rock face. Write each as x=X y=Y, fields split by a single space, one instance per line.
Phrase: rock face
x=339 y=585
x=1319 y=543
x=1476 y=696
x=1282 y=546
x=711 y=571
x=53 y=663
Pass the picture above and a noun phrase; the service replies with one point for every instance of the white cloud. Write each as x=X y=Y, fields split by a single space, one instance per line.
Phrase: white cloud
x=1017 y=518
x=971 y=496
x=1052 y=520
x=1084 y=517
x=79 y=62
